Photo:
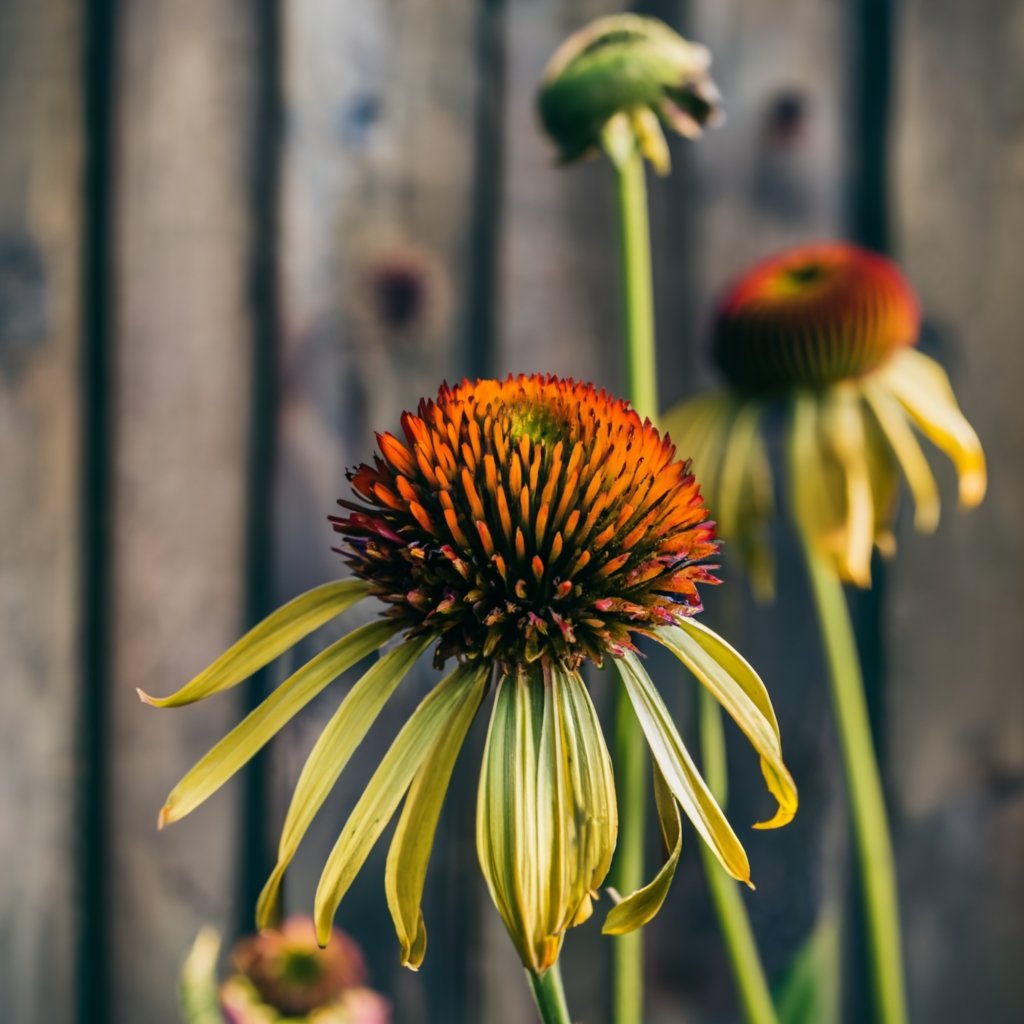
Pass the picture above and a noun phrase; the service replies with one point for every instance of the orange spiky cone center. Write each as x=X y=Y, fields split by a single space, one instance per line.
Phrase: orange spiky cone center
x=528 y=517
x=812 y=316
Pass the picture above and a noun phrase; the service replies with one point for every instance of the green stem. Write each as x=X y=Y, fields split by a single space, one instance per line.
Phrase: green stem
x=630 y=749
x=637 y=287
x=549 y=995
x=864 y=783
x=755 y=997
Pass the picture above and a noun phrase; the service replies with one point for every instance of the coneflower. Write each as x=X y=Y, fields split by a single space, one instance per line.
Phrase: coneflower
x=824 y=336
x=519 y=528
x=826 y=332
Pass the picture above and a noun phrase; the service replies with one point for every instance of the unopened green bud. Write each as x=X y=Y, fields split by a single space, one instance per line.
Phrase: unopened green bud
x=623 y=80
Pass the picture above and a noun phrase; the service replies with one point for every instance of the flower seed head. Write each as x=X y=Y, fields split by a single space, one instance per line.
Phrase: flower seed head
x=812 y=316
x=526 y=518
x=626 y=65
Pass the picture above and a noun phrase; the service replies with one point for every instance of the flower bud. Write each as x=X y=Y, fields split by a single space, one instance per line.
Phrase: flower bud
x=626 y=71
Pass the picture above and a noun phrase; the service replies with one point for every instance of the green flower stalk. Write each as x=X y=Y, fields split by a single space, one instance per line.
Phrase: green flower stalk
x=617 y=85
x=825 y=335
x=518 y=528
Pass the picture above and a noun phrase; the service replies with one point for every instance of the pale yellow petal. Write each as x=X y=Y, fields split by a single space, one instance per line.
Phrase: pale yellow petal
x=334 y=747
x=257 y=728
x=454 y=696
x=263 y=643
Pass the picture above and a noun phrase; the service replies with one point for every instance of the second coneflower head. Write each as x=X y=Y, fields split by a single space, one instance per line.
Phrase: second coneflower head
x=520 y=527
x=828 y=331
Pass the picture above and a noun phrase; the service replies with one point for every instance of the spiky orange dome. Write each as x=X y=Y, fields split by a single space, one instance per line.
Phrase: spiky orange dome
x=813 y=315
x=529 y=517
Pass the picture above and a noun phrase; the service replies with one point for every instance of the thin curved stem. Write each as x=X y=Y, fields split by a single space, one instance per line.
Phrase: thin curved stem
x=630 y=749
x=549 y=995
x=864 y=783
x=741 y=947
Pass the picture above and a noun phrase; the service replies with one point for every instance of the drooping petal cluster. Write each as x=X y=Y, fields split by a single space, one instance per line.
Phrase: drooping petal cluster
x=630 y=71
x=829 y=331
x=521 y=526
x=529 y=517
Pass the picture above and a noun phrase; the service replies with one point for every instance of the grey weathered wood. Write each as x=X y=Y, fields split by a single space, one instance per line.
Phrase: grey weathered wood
x=40 y=167
x=772 y=175
x=180 y=423
x=379 y=103
x=955 y=737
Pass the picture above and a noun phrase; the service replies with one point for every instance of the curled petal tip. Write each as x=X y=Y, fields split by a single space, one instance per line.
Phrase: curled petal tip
x=972 y=488
x=164 y=818
x=145 y=697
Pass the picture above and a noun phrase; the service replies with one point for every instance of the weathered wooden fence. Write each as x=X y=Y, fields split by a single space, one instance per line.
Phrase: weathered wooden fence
x=236 y=237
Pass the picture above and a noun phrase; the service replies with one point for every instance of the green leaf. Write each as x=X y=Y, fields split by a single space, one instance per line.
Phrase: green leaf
x=250 y=735
x=434 y=717
x=681 y=775
x=279 y=631
x=809 y=992
x=336 y=744
x=738 y=688
x=409 y=853
x=639 y=907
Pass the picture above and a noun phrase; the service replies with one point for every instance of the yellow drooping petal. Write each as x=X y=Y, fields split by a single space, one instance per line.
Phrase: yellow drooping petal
x=458 y=694
x=681 y=774
x=334 y=747
x=842 y=426
x=257 y=728
x=546 y=817
x=263 y=643
x=732 y=681
x=641 y=906
x=816 y=482
x=410 y=848
x=923 y=389
x=893 y=423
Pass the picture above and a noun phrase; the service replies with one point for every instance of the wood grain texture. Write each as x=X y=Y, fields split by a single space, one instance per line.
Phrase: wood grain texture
x=955 y=645
x=180 y=420
x=377 y=175
x=40 y=168
x=773 y=174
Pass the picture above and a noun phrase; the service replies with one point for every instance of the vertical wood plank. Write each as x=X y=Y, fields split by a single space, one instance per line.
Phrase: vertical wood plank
x=182 y=377
x=40 y=238
x=377 y=174
x=955 y=646
x=772 y=175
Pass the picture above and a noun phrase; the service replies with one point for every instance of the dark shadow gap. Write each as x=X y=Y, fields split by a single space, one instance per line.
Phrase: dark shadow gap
x=99 y=89
x=256 y=850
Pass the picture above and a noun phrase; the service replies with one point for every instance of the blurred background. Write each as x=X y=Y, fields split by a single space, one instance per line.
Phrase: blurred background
x=237 y=237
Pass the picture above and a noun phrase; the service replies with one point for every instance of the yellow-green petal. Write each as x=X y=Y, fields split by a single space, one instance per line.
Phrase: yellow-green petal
x=816 y=481
x=273 y=636
x=732 y=681
x=409 y=852
x=843 y=431
x=250 y=735
x=641 y=906
x=893 y=423
x=434 y=717
x=681 y=775
x=331 y=752
x=923 y=388
x=546 y=815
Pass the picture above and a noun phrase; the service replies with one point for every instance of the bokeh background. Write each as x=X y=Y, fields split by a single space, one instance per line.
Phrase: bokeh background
x=237 y=237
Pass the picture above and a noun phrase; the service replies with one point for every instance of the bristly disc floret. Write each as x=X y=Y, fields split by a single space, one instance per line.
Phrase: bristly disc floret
x=813 y=316
x=529 y=517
